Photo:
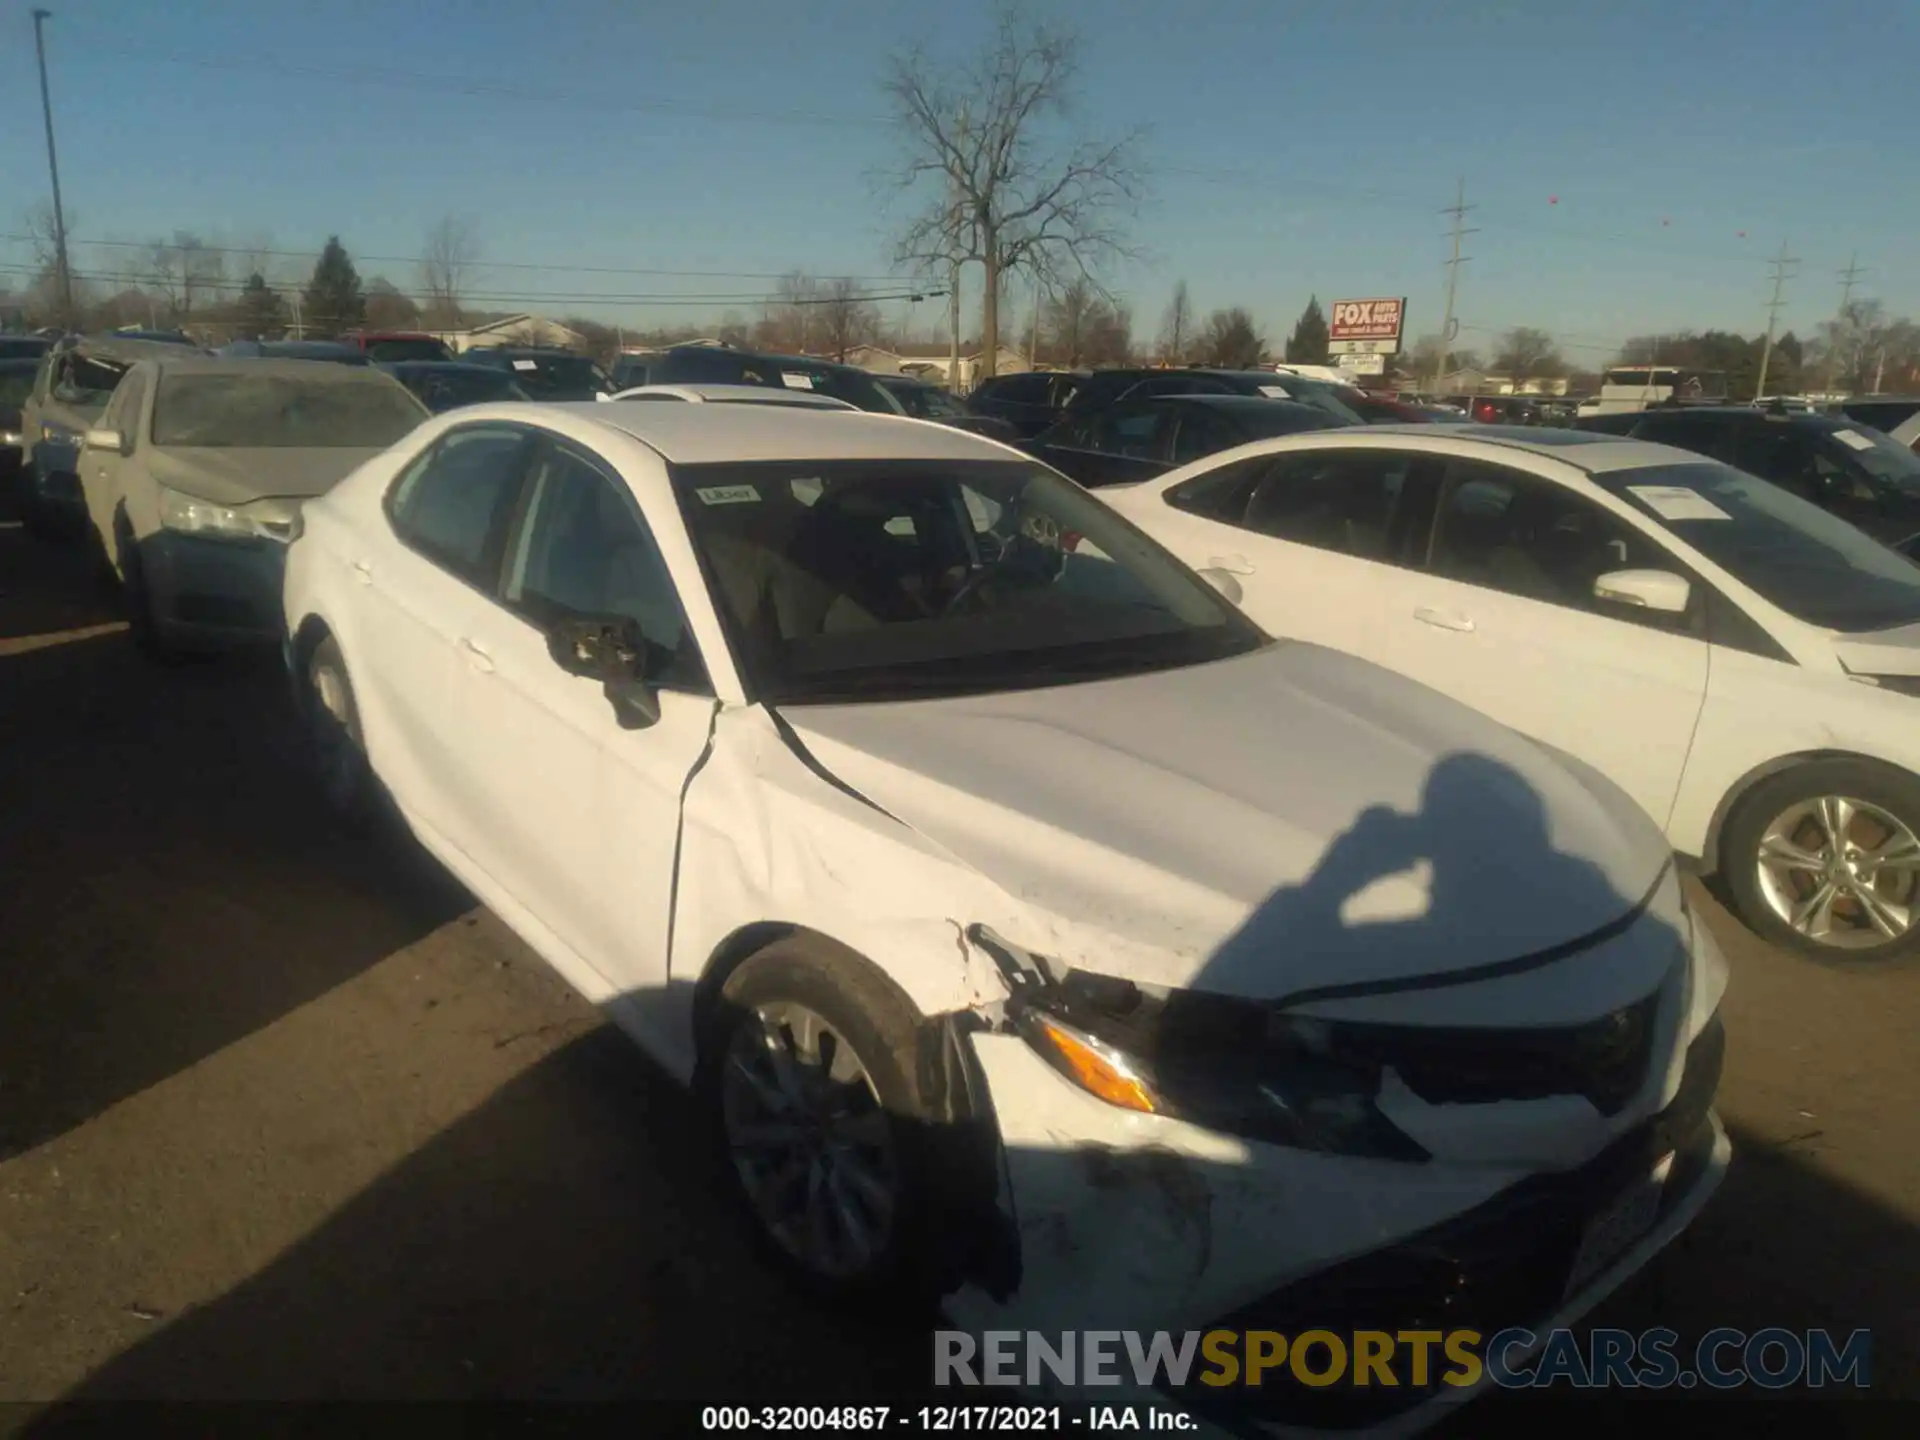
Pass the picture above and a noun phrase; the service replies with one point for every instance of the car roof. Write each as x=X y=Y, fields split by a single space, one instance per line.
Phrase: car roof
x=737 y=395
x=1249 y=404
x=173 y=359
x=438 y=367
x=718 y=434
x=1589 y=450
x=773 y=357
x=129 y=350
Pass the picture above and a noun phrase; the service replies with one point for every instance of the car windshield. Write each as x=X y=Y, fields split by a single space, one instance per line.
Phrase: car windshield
x=449 y=389
x=277 y=412
x=1879 y=454
x=420 y=348
x=1316 y=393
x=1813 y=565
x=859 y=390
x=877 y=580
x=558 y=377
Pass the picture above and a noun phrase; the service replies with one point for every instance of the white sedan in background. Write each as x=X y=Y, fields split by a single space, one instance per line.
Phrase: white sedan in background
x=1743 y=664
x=1038 y=932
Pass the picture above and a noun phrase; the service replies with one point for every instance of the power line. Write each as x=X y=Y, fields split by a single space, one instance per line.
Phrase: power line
x=1780 y=277
x=224 y=285
x=248 y=250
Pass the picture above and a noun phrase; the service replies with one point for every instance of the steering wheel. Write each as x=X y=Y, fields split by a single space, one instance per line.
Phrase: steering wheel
x=969 y=587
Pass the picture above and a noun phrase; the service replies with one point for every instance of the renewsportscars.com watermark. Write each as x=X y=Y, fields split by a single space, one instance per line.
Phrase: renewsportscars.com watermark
x=1722 y=1359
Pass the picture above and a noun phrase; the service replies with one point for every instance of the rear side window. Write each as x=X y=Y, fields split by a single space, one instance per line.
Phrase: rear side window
x=454 y=504
x=1016 y=389
x=1704 y=434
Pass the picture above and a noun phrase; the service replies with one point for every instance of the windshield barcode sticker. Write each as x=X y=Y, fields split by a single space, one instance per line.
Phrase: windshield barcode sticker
x=1853 y=439
x=1676 y=502
x=793 y=380
x=727 y=494
x=525 y=365
x=1276 y=392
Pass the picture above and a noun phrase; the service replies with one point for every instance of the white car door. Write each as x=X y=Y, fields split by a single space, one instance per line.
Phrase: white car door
x=1504 y=618
x=415 y=573
x=576 y=818
x=1310 y=536
x=100 y=477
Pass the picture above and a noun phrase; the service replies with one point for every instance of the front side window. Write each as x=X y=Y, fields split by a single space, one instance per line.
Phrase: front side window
x=1199 y=433
x=454 y=503
x=1707 y=434
x=86 y=379
x=584 y=551
x=235 y=411
x=884 y=579
x=1528 y=537
x=1814 y=566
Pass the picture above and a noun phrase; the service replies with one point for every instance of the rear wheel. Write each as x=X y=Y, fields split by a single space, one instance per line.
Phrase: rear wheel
x=1824 y=859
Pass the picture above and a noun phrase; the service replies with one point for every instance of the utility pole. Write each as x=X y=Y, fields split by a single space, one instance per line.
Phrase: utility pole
x=1033 y=332
x=65 y=272
x=1458 y=210
x=1780 y=278
x=1841 y=322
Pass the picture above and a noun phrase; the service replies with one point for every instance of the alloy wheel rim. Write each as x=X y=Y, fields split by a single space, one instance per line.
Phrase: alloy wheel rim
x=809 y=1139
x=1841 y=872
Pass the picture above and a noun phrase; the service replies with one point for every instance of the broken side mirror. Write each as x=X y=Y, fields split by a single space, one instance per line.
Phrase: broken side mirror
x=610 y=649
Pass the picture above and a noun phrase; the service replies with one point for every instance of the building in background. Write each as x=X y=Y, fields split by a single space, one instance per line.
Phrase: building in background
x=513 y=330
x=932 y=362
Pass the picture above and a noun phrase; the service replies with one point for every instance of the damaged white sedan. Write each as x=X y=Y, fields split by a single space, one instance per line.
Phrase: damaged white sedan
x=1041 y=934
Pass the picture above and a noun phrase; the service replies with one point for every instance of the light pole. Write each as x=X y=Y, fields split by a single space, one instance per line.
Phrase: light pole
x=40 y=17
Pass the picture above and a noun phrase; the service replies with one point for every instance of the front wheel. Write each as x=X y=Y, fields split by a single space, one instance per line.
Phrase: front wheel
x=334 y=737
x=1824 y=859
x=810 y=1077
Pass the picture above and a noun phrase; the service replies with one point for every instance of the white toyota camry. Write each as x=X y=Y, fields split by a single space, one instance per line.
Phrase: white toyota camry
x=1738 y=660
x=1040 y=933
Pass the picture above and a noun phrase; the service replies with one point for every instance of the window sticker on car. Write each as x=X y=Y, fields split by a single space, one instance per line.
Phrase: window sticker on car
x=807 y=488
x=727 y=494
x=1276 y=392
x=1853 y=439
x=1676 y=502
x=525 y=365
x=793 y=380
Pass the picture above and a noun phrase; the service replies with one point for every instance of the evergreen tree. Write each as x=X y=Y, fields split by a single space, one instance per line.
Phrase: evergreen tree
x=260 y=315
x=1308 y=343
x=334 y=299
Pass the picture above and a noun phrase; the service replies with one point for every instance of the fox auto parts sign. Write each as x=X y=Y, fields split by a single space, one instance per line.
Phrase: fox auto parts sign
x=1368 y=327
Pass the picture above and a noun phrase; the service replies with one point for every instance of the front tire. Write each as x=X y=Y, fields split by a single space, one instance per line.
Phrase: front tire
x=148 y=637
x=811 y=1079
x=335 y=740
x=1824 y=860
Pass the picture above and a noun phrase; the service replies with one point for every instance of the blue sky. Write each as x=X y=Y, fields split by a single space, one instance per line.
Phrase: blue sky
x=742 y=135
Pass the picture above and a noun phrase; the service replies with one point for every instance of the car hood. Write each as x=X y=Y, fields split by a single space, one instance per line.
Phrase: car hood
x=1291 y=819
x=1880 y=652
x=239 y=477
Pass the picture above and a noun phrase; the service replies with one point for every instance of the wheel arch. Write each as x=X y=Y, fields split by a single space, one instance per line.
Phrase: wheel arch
x=1779 y=765
x=306 y=639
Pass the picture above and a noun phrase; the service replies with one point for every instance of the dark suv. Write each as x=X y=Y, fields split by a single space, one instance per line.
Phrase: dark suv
x=1846 y=467
x=723 y=365
x=544 y=374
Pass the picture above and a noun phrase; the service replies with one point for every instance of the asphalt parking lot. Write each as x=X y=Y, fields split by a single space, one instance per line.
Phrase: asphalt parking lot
x=284 y=1114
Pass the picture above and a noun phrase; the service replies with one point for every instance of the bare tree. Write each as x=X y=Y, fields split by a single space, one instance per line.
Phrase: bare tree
x=447 y=266
x=1526 y=353
x=184 y=271
x=994 y=190
x=44 y=298
x=790 y=321
x=1176 y=329
x=846 y=318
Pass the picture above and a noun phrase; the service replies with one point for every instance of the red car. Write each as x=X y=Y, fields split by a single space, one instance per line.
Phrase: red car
x=382 y=346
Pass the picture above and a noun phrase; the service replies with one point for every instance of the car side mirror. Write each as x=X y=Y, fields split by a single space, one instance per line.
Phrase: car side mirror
x=1223 y=581
x=1658 y=590
x=610 y=649
x=111 y=440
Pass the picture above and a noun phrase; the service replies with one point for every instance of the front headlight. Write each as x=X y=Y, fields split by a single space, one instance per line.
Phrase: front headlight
x=262 y=520
x=1230 y=1065
x=10 y=438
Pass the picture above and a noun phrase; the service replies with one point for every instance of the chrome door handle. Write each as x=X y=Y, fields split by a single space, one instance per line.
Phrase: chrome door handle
x=1443 y=619
x=1232 y=564
x=476 y=657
